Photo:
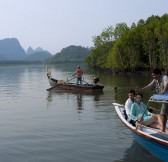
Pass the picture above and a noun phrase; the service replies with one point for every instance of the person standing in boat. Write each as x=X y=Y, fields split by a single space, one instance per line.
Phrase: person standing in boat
x=160 y=84
x=79 y=74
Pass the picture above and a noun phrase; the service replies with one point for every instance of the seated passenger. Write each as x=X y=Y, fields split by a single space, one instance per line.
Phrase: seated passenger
x=149 y=119
x=129 y=102
x=96 y=80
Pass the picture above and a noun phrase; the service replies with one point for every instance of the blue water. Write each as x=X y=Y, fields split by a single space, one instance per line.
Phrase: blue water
x=41 y=126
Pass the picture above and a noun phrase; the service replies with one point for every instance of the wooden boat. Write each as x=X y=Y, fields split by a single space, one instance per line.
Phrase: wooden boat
x=70 y=86
x=151 y=139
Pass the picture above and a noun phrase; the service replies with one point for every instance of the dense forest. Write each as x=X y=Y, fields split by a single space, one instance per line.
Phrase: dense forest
x=70 y=54
x=142 y=46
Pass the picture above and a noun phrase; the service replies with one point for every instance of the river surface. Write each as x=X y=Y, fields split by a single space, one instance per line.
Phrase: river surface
x=56 y=126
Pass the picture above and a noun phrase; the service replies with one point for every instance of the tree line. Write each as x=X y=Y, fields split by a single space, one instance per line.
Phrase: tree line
x=142 y=46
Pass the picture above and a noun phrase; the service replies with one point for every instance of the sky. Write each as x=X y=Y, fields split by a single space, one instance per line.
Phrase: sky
x=57 y=24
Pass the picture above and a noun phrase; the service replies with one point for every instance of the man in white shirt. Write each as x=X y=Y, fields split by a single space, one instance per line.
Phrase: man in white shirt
x=129 y=102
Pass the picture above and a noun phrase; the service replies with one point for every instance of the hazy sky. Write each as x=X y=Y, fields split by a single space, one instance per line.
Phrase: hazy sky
x=56 y=24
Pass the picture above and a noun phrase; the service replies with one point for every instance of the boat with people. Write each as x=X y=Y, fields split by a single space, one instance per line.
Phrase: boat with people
x=72 y=86
x=152 y=139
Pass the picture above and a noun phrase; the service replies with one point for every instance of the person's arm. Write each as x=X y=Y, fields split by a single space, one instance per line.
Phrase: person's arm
x=164 y=89
x=75 y=73
x=145 y=88
x=149 y=86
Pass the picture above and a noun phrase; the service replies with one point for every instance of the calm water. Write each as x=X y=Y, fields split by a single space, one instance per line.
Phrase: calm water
x=41 y=126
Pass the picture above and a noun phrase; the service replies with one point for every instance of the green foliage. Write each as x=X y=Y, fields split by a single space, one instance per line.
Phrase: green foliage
x=142 y=46
x=70 y=54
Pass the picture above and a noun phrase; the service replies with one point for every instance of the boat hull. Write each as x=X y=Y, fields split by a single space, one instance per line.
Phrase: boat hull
x=154 y=142
x=75 y=87
x=160 y=151
x=78 y=88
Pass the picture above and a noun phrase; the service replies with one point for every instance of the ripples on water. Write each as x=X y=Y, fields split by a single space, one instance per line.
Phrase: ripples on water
x=37 y=125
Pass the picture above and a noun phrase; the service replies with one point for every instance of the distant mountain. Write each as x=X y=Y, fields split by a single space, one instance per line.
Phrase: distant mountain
x=10 y=49
x=70 y=54
x=30 y=51
x=38 y=54
x=39 y=49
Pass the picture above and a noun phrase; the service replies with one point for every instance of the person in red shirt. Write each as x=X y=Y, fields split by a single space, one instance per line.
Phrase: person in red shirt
x=79 y=74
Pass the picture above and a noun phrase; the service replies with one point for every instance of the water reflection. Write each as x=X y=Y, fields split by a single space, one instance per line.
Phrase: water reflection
x=49 y=96
x=137 y=153
x=79 y=102
x=80 y=97
x=54 y=96
x=115 y=93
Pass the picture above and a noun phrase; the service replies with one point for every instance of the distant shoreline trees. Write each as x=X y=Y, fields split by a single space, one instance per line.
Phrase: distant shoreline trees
x=70 y=54
x=143 y=46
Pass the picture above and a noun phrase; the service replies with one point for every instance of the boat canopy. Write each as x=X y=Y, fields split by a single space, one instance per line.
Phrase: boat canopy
x=159 y=98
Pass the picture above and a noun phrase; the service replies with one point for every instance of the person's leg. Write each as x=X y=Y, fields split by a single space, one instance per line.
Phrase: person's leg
x=163 y=122
x=155 y=125
x=77 y=82
x=80 y=80
x=156 y=118
x=152 y=121
x=164 y=113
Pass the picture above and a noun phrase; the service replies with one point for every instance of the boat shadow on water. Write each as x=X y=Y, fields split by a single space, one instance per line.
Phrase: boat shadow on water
x=86 y=93
x=80 y=96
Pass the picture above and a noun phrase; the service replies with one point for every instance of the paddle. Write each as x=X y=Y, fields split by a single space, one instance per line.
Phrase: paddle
x=71 y=79
x=143 y=114
x=85 y=82
x=53 y=87
x=82 y=79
